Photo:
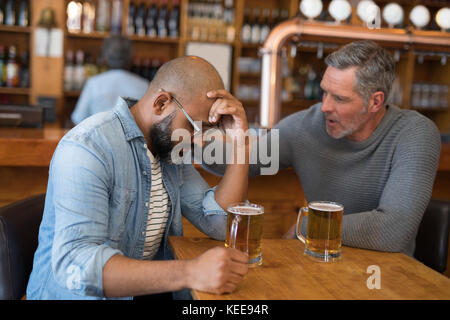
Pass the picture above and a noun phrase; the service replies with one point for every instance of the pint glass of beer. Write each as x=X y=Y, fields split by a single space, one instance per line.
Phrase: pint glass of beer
x=324 y=230
x=244 y=230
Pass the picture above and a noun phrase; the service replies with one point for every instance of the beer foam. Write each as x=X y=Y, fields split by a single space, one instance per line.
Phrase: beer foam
x=325 y=206
x=248 y=211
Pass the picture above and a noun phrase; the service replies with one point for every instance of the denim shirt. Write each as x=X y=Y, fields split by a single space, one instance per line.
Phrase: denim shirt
x=97 y=203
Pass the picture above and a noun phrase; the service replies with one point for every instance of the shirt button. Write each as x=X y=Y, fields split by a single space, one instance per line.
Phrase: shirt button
x=145 y=146
x=146 y=204
x=144 y=173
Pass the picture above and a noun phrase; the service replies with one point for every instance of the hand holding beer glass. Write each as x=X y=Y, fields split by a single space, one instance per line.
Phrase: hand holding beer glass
x=324 y=230
x=244 y=230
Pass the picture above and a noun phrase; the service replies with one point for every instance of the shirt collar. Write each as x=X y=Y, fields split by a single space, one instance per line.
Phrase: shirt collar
x=122 y=110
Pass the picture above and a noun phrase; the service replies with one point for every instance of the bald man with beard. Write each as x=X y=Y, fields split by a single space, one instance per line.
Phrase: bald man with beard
x=114 y=196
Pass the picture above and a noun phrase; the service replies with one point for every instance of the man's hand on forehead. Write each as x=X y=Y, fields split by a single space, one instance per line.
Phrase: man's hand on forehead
x=227 y=109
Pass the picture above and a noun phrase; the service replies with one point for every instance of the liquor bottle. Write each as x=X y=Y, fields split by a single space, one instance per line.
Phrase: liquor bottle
x=2 y=63
x=203 y=21
x=145 y=70
x=116 y=16
x=88 y=16
x=90 y=68
x=256 y=29
x=69 y=71
x=2 y=18
x=24 y=71
x=150 y=22
x=131 y=17
x=284 y=15
x=275 y=15
x=265 y=28
x=10 y=13
x=156 y=63
x=194 y=20
x=74 y=11
x=136 y=66
x=174 y=19
x=23 y=16
x=246 y=28
x=79 y=74
x=162 y=20
x=103 y=15
x=229 y=21
x=140 y=19
x=12 y=68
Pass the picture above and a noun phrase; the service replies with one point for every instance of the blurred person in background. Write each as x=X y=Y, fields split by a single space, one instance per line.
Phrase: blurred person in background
x=101 y=92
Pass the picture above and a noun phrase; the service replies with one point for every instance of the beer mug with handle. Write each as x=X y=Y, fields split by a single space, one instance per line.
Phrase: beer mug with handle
x=324 y=230
x=244 y=230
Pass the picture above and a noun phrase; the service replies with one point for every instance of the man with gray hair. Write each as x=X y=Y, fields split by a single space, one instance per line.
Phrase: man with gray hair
x=376 y=159
x=101 y=92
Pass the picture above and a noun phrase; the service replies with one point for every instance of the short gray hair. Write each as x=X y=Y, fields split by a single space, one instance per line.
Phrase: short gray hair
x=376 y=67
x=117 y=51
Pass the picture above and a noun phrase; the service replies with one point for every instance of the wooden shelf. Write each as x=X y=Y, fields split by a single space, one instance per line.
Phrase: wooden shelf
x=209 y=41
x=91 y=35
x=254 y=75
x=15 y=91
x=429 y=109
x=72 y=93
x=154 y=39
x=246 y=45
x=16 y=29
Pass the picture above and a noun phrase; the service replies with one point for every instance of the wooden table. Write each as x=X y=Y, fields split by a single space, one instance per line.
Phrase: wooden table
x=287 y=274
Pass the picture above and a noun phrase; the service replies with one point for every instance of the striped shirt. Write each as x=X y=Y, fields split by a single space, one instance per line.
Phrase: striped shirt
x=158 y=210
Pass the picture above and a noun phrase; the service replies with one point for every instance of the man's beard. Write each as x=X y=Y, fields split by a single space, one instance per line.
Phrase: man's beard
x=161 y=138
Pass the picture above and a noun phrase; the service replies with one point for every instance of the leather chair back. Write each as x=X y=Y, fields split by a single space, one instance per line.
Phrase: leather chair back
x=432 y=237
x=19 y=229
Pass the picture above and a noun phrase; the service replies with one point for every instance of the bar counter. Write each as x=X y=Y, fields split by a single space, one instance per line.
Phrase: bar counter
x=34 y=147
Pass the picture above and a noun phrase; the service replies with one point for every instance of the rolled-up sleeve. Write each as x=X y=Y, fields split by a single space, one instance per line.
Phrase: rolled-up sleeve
x=80 y=181
x=199 y=206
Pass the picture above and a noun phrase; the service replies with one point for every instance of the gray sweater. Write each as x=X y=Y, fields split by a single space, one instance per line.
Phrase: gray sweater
x=384 y=182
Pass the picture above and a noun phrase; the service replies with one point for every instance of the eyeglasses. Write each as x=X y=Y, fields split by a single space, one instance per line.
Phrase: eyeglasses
x=179 y=105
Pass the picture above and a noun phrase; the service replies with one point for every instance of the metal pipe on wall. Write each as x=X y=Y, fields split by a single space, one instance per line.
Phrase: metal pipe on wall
x=270 y=105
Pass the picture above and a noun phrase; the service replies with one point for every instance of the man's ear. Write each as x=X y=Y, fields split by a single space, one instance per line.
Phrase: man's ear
x=160 y=103
x=376 y=102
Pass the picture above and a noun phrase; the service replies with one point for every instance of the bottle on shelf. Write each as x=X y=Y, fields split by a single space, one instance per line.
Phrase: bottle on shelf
x=150 y=22
x=88 y=16
x=103 y=15
x=139 y=21
x=10 y=13
x=79 y=72
x=74 y=13
x=131 y=17
x=265 y=27
x=90 y=68
x=275 y=17
x=156 y=63
x=256 y=29
x=24 y=70
x=116 y=16
x=246 y=27
x=69 y=71
x=2 y=13
x=24 y=13
x=174 y=17
x=203 y=21
x=161 y=21
x=145 y=70
x=136 y=66
x=12 y=68
x=229 y=21
x=2 y=64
